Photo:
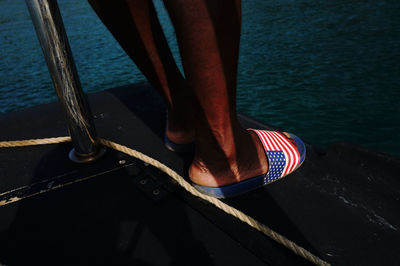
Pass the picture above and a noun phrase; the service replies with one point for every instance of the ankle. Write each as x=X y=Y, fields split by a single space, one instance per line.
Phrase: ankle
x=221 y=139
x=178 y=129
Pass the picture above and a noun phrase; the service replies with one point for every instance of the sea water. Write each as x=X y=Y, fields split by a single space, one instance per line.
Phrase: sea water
x=326 y=70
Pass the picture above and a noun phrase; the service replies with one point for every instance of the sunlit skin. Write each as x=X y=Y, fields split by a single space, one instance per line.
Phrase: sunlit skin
x=135 y=25
x=201 y=107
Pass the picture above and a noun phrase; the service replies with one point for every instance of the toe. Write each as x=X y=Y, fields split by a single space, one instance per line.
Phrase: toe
x=290 y=138
x=299 y=144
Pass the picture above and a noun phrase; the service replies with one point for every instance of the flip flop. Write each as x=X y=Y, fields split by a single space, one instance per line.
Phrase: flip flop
x=179 y=148
x=283 y=157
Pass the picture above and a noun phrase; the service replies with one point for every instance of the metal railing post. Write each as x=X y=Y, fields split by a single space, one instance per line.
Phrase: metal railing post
x=50 y=30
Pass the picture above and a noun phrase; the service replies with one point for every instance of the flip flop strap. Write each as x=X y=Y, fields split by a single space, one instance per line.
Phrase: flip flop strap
x=282 y=155
x=277 y=163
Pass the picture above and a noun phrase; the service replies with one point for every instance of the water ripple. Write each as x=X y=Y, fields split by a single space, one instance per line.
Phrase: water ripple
x=326 y=70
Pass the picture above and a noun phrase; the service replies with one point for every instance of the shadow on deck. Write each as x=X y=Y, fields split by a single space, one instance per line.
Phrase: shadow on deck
x=342 y=204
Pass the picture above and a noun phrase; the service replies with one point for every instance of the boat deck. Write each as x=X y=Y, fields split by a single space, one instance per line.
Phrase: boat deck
x=342 y=204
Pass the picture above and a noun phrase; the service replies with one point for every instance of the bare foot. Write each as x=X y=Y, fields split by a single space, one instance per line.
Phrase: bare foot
x=215 y=168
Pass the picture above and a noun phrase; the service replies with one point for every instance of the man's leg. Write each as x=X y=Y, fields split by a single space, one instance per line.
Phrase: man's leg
x=135 y=26
x=208 y=34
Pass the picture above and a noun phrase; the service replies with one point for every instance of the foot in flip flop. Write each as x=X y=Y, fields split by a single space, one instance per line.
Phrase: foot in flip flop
x=179 y=133
x=285 y=153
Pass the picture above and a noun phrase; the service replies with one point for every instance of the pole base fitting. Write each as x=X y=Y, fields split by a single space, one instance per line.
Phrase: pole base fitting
x=86 y=158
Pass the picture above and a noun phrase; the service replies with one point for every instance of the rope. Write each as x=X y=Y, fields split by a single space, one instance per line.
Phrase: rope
x=183 y=183
x=30 y=142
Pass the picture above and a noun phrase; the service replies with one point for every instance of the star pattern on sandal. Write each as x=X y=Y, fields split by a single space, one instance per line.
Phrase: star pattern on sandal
x=277 y=162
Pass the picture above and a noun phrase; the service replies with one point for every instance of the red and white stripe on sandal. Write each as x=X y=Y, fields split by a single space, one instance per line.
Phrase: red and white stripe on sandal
x=273 y=141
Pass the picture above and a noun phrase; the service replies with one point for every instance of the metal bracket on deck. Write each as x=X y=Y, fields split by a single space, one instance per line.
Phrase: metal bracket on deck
x=155 y=184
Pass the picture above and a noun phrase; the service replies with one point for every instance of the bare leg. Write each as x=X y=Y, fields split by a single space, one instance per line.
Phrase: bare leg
x=135 y=25
x=208 y=33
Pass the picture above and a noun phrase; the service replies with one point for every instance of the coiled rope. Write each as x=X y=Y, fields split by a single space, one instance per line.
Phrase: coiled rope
x=183 y=183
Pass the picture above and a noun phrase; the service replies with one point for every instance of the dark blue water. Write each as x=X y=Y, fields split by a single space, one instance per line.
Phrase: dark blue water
x=325 y=70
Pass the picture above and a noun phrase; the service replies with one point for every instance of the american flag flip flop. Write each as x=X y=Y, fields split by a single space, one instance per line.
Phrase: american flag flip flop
x=283 y=157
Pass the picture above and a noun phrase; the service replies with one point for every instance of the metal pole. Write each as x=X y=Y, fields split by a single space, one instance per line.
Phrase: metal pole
x=50 y=30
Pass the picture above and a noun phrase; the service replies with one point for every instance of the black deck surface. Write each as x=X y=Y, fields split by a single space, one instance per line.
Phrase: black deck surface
x=342 y=204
